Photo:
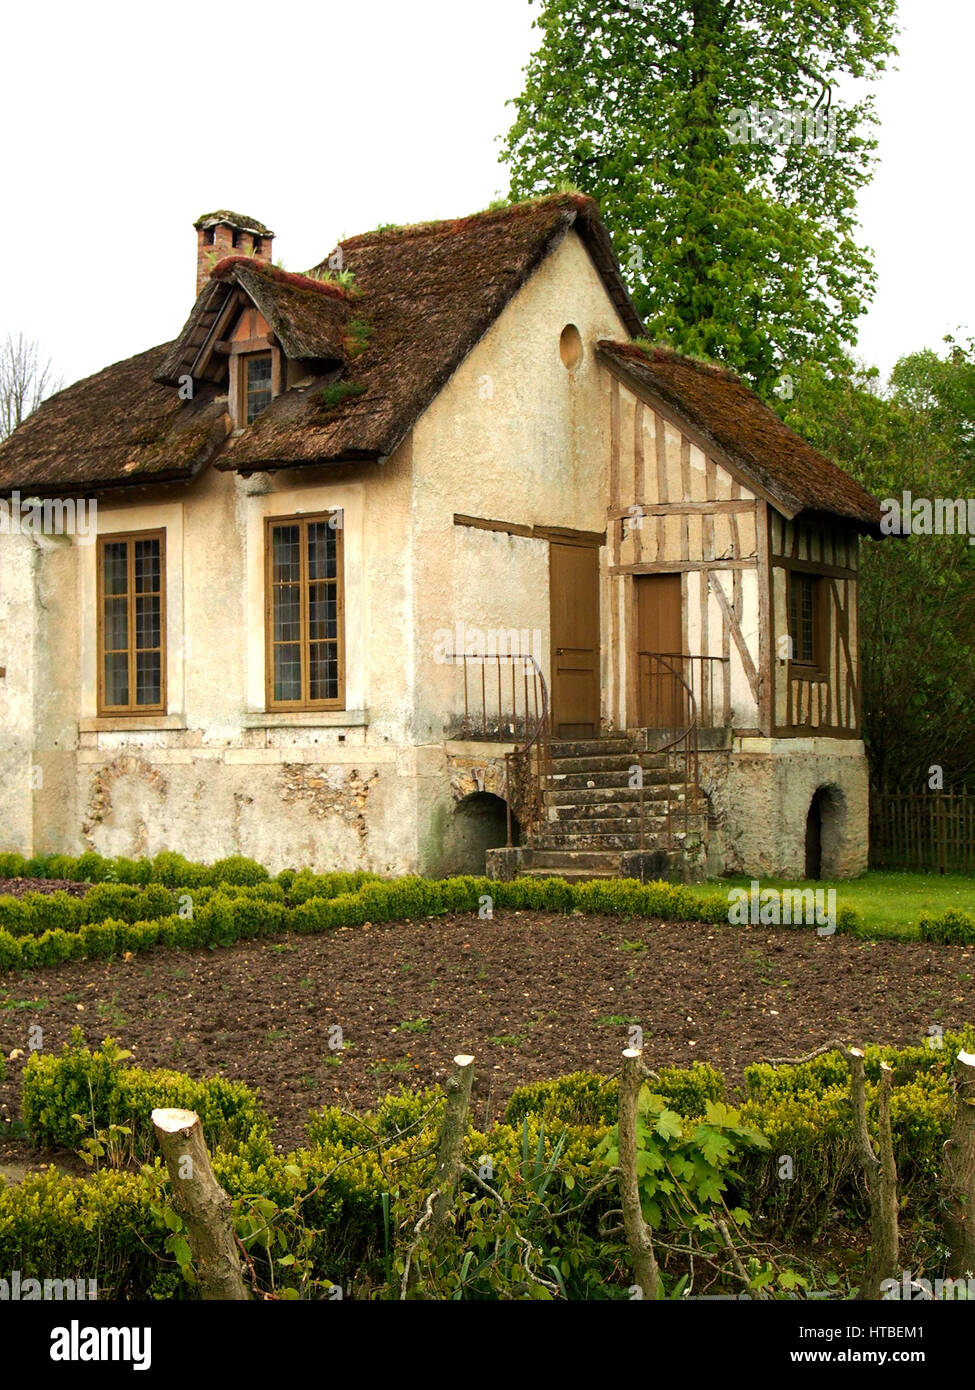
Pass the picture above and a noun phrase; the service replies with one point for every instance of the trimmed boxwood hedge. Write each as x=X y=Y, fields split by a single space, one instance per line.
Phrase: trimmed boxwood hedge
x=108 y=1225
x=72 y=1095
x=137 y=904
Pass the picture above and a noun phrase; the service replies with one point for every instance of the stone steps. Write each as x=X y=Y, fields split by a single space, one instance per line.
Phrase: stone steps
x=592 y=813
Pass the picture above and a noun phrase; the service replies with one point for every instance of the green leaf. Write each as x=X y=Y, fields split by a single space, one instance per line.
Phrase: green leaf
x=669 y=1125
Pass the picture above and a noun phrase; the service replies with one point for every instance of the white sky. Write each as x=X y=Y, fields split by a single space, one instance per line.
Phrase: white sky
x=126 y=121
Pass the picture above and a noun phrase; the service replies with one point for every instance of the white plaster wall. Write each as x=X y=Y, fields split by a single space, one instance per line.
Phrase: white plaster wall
x=17 y=640
x=514 y=436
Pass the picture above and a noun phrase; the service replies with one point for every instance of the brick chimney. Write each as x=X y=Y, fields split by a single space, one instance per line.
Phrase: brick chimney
x=220 y=234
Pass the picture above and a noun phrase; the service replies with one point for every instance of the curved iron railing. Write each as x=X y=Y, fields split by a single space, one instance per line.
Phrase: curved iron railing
x=518 y=711
x=527 y=784
x=683 y=746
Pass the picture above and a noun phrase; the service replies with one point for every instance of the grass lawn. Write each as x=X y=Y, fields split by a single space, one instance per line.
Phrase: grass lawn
x=887 y=902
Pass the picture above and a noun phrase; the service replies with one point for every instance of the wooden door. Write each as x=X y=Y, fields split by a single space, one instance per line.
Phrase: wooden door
x=662 y=700
x=574 y=599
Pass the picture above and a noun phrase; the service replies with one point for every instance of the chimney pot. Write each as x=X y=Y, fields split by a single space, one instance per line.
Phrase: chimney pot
x=220 y=234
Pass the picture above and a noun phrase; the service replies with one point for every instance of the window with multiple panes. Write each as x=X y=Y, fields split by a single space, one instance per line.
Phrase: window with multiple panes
x=804 y=618
x=257 y=384
x=132 y=623
x=305 y=638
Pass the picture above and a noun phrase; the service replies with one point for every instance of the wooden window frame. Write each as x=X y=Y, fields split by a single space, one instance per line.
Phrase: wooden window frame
x=237 y=377
x=303 y=520
x=814 y=670
x=131 y=710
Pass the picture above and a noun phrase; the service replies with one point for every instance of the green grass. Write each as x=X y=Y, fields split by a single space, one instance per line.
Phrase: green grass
x=890 y=904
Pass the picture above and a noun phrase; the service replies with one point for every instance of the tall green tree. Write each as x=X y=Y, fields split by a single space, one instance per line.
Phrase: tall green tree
x=914 y=433
x=738 y=235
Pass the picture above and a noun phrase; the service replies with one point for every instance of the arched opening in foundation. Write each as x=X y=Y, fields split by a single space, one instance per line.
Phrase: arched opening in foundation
x=480 y=823
x=825 y=828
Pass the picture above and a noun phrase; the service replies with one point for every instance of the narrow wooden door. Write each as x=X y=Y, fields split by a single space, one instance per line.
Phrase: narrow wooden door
x=574 y=598
x=662 y=702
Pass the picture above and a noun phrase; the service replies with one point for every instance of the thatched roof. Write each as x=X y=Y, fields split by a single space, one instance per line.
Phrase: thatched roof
x=377 y=354
x=113 y=428
x=426 y=293
x=730 y=418
x=308 y=316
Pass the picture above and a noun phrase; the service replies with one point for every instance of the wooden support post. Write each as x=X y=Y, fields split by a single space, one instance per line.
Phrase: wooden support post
x=450 y=1146
x=450 y=1157
x=960 y=1172
x=637 y=1231
x=203 y=1204
x=886 y=1243
x=880 y=1177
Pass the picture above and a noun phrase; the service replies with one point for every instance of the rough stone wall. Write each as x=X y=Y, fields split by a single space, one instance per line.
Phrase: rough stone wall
x=761 y=793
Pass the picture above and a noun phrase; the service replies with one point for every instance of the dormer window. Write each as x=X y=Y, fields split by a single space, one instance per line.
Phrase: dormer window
x=257 y=384
x=235 y=238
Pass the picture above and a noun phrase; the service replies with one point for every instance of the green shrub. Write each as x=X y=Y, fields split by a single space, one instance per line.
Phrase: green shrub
x=173 y=871
x=236 y=869
x=806 y=1113
x=10 y=951
x=98 y=1088
x=91 y=867
x=953 y=927
x=16 y=915
x=12 y=865
x=589 y=1098
x=304 y=885
x=582 y=1098
x=100 y=1228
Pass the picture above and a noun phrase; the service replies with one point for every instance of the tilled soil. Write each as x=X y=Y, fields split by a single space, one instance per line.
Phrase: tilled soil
x=533 y=995
x=17 y=887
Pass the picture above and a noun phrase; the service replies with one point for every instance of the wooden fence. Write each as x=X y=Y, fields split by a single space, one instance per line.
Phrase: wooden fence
x=930 y=831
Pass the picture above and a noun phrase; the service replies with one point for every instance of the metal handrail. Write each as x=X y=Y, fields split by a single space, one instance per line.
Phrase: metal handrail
x=537 y=740
x=531 y=755
x=707 y=684
x=687 y=737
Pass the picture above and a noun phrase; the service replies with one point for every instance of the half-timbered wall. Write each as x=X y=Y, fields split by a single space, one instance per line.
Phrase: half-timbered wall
x=675 y=509
x=826 y=700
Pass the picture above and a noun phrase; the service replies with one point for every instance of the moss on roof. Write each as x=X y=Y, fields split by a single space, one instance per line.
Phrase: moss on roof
x=378 y=354
x=728 y=413
x=235 y=219
x=118 y=426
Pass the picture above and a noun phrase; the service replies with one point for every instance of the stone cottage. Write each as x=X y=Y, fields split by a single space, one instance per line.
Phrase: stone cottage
x=419 y=555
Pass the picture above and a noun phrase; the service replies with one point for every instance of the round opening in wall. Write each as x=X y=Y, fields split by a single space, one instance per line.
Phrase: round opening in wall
x=570 y=346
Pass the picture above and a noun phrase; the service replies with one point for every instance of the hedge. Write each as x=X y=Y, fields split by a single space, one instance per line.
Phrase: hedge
x=806 y=1113
x=72 y=1096
x=108 y=1225
x=137 y=904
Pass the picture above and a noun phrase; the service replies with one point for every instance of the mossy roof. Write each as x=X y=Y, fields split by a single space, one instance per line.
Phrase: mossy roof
x=421 y=298
x=736 y=423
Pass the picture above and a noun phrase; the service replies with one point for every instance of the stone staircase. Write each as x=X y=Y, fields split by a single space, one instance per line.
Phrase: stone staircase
x=591 y=824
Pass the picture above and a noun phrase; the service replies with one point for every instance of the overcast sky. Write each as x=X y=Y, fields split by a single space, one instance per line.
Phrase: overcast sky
x=127 y=121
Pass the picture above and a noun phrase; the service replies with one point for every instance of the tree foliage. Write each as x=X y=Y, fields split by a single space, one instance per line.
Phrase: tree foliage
x=741 y=250
x=914 y=433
